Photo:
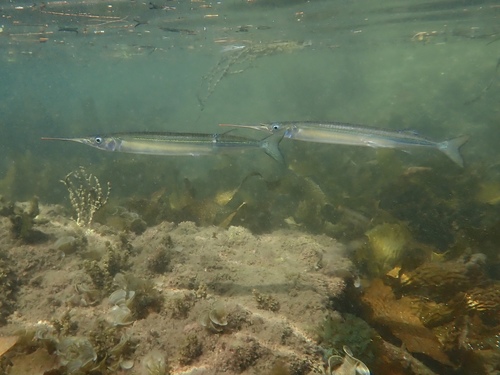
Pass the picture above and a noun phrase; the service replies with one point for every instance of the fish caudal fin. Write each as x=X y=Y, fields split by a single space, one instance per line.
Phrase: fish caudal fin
x=271 y=146
x=451 y=148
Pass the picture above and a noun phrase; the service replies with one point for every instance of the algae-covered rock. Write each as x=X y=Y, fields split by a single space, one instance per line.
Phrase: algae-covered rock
x=69 y=244
x=23 y=220
x=401 y=318
x=387 y=242
x=190 y=350
x=348 y=330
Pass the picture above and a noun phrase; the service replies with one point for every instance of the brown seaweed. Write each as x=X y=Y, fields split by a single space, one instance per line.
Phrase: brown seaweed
x=401 y=318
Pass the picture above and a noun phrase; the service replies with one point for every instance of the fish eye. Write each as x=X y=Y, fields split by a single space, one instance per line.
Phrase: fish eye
x=276 y=127
x=98 y=140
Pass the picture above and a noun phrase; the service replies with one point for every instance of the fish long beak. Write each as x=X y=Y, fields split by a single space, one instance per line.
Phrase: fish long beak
x=55 y=139
x=254 y=127
x=79 y=140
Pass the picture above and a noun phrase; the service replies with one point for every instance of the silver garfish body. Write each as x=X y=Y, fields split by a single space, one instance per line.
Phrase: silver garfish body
x=360 y=135
x=171 y=143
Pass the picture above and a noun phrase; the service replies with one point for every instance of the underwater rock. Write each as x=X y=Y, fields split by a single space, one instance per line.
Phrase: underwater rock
x=69 y=244
x=406 y=362
x=23 y=220
x=37 y=363
x=6 y=208
x=400 y=317
x=266 y=301
x=336 y=332
x=191 y=350
x=124 y=220
x=485 y=299
x=9 y=285
x=244 y=354
x=159 y=261
x=440 y=280
x=387 y=242
x=434 y=314
x=181 y=306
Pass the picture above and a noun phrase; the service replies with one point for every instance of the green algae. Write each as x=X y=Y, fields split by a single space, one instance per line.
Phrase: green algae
x=9 y=285
x=190 y=350
x=349 y=330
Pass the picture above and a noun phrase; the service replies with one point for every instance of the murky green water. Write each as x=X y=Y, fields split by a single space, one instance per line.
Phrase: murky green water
x=395 y=65
x=413 y=65
x=420 y=229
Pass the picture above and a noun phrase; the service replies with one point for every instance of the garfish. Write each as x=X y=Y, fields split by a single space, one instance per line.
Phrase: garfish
x=361 y=135
x=172 y=143
x=68 y=29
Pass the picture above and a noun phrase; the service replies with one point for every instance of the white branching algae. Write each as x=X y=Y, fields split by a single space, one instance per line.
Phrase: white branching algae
x=85 y=194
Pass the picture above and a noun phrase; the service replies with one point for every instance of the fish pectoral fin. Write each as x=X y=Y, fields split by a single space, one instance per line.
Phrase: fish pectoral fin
x=370 y=143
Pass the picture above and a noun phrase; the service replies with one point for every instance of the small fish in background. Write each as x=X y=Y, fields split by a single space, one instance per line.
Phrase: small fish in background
x=68 y=29
x=232 y=48
x=177 y=30
x=139 y=22
x=160 y=7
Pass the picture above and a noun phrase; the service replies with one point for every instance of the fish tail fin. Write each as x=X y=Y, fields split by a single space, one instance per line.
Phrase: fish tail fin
x=271 y=146
x=451 y=148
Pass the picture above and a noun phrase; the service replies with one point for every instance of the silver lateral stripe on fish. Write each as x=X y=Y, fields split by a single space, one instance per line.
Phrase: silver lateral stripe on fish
x=171 y=143
x=360 y=135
